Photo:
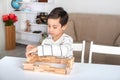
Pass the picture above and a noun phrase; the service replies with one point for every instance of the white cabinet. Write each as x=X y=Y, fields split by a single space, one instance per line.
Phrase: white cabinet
x=23 y=36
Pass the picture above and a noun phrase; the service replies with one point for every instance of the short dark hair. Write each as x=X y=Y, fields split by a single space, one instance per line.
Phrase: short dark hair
x=59 y=12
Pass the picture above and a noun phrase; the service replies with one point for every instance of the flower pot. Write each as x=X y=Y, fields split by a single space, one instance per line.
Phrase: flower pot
x=10 y=37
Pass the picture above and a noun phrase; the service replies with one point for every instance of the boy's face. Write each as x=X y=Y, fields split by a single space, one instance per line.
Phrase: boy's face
x=55 y=29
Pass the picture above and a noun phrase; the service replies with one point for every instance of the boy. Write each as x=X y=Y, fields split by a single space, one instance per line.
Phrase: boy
x=57 y=23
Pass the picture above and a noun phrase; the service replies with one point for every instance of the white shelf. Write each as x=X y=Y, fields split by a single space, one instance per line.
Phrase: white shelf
x=35 y=24
x=26 y=42
x=34 y=2
x=28 y=37
x=29 y=33
x=26 y=12
x=29 y=11
x=25 y=2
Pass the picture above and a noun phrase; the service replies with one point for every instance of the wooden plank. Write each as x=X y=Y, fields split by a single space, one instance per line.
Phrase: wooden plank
x=30 y=64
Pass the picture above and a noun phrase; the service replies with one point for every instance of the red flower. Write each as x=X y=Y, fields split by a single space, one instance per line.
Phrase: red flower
x=11 y=16
x=5 y=17
x=15 y=19
x=9 y=19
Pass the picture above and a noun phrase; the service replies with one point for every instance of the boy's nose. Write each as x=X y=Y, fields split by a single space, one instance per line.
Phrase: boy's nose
x=50 y=29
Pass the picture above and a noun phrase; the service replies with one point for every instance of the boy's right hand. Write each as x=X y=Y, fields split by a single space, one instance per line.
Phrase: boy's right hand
x=30 y=50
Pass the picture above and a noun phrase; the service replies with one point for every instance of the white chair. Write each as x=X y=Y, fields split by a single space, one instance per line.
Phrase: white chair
x=80 y=47
x=102 y=49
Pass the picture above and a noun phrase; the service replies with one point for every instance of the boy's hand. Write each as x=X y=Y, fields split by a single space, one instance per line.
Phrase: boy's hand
x=30 y=50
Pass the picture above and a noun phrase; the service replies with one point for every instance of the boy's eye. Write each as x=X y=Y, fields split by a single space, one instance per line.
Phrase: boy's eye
x=54 y=27
x=48 y=26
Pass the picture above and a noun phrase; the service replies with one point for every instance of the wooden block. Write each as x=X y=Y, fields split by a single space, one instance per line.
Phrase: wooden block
x=37 y=69
x=43 y=67
x=60 y=71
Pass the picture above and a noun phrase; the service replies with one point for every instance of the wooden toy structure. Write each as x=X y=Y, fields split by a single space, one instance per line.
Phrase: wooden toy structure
x=49 y=64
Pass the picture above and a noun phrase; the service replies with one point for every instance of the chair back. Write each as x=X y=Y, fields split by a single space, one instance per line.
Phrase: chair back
x=80 y=47
x=102 y=49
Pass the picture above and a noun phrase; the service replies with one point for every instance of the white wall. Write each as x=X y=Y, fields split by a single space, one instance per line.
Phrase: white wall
x=81 y=6
x=2 y=33
x=91 y=6
x=5 y=8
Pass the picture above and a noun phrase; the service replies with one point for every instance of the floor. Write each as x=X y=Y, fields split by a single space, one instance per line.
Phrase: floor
x=18 y=52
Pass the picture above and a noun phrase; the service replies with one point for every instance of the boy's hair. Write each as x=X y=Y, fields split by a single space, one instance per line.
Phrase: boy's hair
x=59 y=12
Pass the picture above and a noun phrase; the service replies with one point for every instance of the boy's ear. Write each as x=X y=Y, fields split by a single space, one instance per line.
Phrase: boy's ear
x=64 y=27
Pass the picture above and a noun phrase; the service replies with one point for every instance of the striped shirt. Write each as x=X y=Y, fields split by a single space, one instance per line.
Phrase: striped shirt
x=61 y=47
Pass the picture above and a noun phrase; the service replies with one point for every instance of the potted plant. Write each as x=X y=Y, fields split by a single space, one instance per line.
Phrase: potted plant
x=10 y=38
x=9 y=19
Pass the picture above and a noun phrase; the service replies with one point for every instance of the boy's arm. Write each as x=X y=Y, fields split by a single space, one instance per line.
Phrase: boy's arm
x=30 y=49
x=67 y=46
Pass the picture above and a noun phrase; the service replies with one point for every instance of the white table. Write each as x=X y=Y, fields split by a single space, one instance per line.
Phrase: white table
x=11 y=68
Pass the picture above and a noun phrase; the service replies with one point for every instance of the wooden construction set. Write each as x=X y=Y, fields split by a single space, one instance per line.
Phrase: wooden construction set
x=43 y=64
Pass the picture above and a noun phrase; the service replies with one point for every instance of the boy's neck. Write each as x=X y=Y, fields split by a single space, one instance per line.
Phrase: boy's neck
x=57 y=37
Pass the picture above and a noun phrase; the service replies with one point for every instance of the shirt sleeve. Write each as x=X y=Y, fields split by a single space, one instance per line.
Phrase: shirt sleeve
x=64 y=49
x=68 y=41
